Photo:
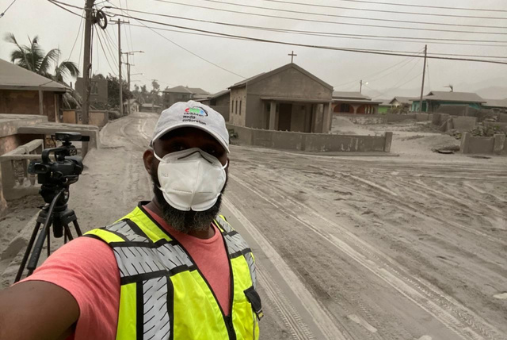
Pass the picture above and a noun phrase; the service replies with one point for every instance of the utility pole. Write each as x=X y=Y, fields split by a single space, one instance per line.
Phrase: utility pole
x=119 y=66
x=128 y=74
x=361 y=83
x=424 y=76
x=86 y=68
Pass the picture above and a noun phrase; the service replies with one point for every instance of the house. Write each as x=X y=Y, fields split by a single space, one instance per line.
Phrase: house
x=288 y=98
x=495 y=104
x=25 y=92
x=354 y=103
x=134 y=105
x=435 y=99
x=219 y=102
x=98 y=91
x=385 y=107
x=182 y=94
x=401 y=104
x=149 y=107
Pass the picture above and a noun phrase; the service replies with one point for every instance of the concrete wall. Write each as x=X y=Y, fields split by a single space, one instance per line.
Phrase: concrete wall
x=423 y=117
x=288 y=83
x=97 y=117
x=312 y=142
x=238 y=107
x=27 y=102
x=463 y=123
x=98 y=90
x=222 y=105
x=376 y=119
x=483 y=145
x=170 y=98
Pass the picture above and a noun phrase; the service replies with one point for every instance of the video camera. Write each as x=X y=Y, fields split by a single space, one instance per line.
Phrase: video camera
x=66 y=168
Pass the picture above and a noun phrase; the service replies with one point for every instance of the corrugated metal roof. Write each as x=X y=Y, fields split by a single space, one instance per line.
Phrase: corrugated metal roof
x=185 y=89
x=464 y=97
x=500 y=103
x=349 y=95
x=13 y=77
x=402 y=100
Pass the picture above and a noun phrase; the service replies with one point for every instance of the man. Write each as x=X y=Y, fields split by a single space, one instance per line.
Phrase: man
x=171 y=269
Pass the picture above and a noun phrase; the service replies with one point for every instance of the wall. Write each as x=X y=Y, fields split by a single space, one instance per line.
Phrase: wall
x=222 y=105
x=376 y=119
x=312 y=142
x=98 y=90
x=483 y=145
x=238 y=106
x=173 y=97
x=97 y=117
x=462 y=123
x=27 y=102
x=287 y=83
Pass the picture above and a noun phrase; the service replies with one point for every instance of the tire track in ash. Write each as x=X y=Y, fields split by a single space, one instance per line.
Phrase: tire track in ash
x=322 y=318
x=452 y=315
x=409 y=208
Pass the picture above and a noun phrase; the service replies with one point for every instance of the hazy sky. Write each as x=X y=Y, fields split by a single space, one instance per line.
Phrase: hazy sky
x=172 y=65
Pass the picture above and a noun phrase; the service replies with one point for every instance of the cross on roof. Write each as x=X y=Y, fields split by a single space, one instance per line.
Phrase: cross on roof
x=292 y=55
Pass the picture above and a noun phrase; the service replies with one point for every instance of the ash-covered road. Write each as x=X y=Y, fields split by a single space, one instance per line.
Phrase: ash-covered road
x=347 y=248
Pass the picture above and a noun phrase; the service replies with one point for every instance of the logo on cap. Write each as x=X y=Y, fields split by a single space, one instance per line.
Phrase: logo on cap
x=199 y=111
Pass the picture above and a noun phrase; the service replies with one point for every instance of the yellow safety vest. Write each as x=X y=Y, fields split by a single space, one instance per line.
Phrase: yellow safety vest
x=164 y=294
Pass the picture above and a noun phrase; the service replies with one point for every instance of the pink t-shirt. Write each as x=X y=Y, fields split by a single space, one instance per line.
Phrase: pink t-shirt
x=87 y=269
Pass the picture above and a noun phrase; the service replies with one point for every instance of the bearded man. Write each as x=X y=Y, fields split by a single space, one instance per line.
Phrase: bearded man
x=171 y=269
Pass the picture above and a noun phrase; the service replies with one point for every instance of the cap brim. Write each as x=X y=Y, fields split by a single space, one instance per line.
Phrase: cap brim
x=197 y=126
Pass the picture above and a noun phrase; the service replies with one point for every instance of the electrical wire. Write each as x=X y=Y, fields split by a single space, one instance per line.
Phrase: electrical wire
x=77 y=36
x=320 y=33
x=185 y=49
x=3 y=13
x=105 y=55
x=392 y=11
x=426 y=6
x=366 y=51
x=337 y=16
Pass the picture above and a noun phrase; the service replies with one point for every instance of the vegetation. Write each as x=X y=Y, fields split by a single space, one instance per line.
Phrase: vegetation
x=32 y=57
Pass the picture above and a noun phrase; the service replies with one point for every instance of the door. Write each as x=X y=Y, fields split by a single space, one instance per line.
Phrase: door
x=284 y=119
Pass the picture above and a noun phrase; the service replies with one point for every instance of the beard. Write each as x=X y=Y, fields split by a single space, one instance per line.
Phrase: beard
x=185 y=221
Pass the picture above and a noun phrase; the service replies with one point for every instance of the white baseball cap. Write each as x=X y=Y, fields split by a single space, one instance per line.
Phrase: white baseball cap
x=192 y=114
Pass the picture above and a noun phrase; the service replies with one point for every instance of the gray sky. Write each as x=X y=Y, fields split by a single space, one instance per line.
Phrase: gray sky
x=172 y=65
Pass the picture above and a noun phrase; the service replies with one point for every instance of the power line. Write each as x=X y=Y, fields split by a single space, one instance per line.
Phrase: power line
x=3 y=13
x=213 y=35
x=366 y=51
x=319 y=33
x=396 y=12
x=185 y=49
x=66 y=9
x=426 y=6
x=361 y=9
x=105 y=55
x=410 y=22
x=77 y=36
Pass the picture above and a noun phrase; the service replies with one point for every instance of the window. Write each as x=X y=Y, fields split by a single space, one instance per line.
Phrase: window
x=240 y=102
x=344 y=108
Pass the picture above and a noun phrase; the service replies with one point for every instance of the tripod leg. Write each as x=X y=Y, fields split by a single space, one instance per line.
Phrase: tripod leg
x=67 y=233
x=49 y=244
x=78 y=230
x=27 y=252
x=34 y=259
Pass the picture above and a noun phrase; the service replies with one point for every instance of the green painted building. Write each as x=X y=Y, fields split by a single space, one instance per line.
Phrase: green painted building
x=435 y=99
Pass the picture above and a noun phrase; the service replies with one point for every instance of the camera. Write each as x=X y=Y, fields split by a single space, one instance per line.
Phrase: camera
x=67 y=166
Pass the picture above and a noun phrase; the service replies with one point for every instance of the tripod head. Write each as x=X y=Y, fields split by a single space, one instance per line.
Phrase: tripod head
x=57 y=176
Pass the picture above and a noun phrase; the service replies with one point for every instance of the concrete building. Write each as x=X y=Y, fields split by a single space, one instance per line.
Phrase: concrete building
x=288 y=98
x=182 y=94
x=436 y=99
x=98 y=91
x=219 y=102
x=402 y=104
x=25 y=92
x=134 y=105
x=354 y=103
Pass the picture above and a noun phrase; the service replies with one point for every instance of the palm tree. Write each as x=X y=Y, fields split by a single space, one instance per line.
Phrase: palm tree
x=33 y=58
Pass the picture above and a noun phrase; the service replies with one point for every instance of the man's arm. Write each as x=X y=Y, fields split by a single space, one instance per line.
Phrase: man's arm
x=37 y=310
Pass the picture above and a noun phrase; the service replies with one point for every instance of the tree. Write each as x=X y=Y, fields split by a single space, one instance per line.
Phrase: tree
x=155 y=92
x=113 y=91
x=32 y=57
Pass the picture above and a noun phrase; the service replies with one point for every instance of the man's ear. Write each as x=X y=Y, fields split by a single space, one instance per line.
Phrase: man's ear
x=148 y=157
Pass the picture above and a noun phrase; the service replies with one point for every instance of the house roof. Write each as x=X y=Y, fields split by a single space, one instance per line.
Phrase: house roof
x=13 y=77
x=349 y=95
x=186 y=89
x=220 y=94
x=265 y=75
x=356 y=101
x=150 y=105
x=462 y=97
x=402 y=100
x=498 y=103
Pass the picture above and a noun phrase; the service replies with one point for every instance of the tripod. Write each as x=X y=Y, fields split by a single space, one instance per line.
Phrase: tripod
x=55 y=212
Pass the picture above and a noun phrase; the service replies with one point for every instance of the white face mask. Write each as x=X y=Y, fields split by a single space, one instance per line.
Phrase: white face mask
x=191 y=179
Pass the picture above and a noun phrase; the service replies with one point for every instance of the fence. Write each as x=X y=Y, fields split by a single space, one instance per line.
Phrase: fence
x=362 y=119
x=484 y=145
x=312 y=142
x=16 y=181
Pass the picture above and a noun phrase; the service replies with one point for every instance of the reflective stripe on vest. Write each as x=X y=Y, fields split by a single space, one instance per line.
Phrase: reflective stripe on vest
x=163 y=293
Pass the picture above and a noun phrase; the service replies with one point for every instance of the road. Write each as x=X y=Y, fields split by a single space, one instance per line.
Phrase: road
x=347 y=248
